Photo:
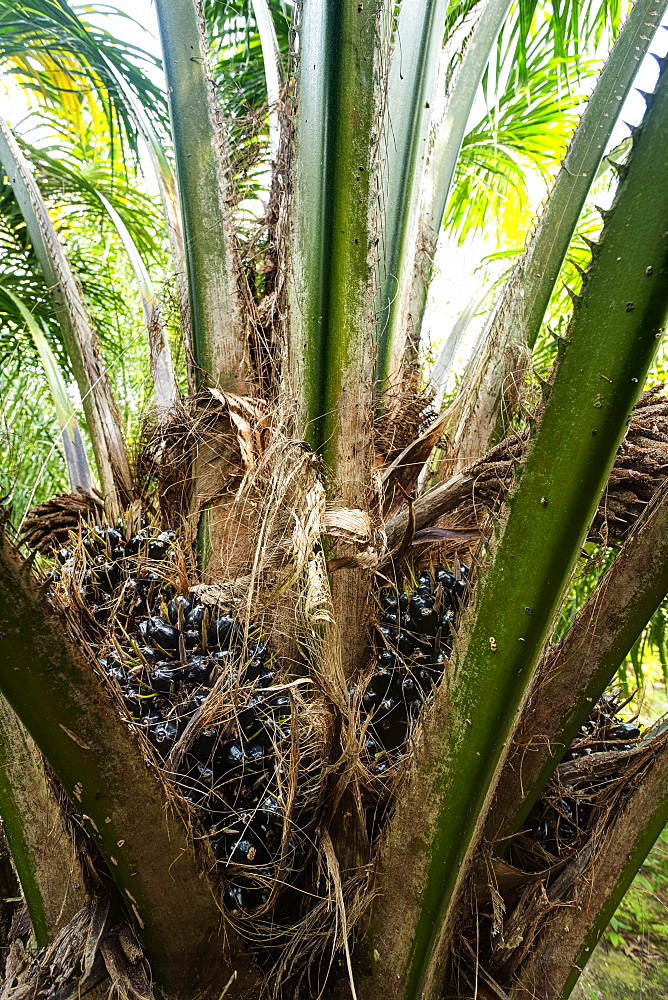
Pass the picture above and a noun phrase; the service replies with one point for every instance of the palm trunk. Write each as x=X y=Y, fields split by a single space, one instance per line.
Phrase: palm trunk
x=43 y=851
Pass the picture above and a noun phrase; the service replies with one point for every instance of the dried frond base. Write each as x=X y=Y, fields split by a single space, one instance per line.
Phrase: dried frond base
x=510 y=900
x=85 y=953
x=640 y=467
x=48 y=525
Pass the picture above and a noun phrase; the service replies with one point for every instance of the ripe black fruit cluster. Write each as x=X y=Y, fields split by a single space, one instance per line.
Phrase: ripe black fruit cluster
x=168 y=652
x=414 y=641
x=119 y=578
x=233 y=776
x=557 y=819
x=235 y=754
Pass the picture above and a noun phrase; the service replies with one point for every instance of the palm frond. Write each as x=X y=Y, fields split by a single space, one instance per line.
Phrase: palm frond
x=71 y=64
x=72 y=174
x=521 y=136
x=76 y=460
x=32 y=466
x=102 y=418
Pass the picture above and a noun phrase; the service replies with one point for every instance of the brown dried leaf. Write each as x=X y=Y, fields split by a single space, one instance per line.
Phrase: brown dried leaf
x=350 y=524
x=128 y=978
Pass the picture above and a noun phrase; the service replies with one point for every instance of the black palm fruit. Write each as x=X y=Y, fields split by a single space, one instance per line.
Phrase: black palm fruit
x=164 y=678
x=232 y=775
x=245 y=892
x=162 y=635
x=157 y=549
x=178 y=610
x=116 y=567
x=229 y=760
x=388 y=598
x=555 y=821
x=623 y=731
x=458 y=591
x=198 y=670
x=414 y=641
x=163 y=735
x=204 y=744
x=445 y=578
x=195 y=617
x=220 y=633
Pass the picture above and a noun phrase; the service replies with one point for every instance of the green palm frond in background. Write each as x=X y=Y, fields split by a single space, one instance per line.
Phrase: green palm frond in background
x=68 y=63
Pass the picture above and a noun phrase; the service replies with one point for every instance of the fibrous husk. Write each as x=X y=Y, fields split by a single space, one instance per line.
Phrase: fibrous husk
x=200 y=454
x=49 y=524
x=406 y=413
x=85 y=953
x=602 y=781
x=400 y=477
x=640 y=466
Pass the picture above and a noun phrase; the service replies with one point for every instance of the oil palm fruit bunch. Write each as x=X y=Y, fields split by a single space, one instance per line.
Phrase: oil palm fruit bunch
x=165 y=653
x=232 y=772
x=413 y=642
x=603 y=731
x=557 y=819
x=115 y=567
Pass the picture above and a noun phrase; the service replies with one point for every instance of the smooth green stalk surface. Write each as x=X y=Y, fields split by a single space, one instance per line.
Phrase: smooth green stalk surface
x=331 y=334
x=416 y=273
x=217 y=332
x=602 y=365
x=148 y=849
x=351 y=144
x=308 y=329
x=416 y=46
x=330 y=361
x=43 y=852
x=520 y=309
x=574 y=674
x=17 y=832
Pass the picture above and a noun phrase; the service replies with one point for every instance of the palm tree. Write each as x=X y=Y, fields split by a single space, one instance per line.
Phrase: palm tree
x=350 y=749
